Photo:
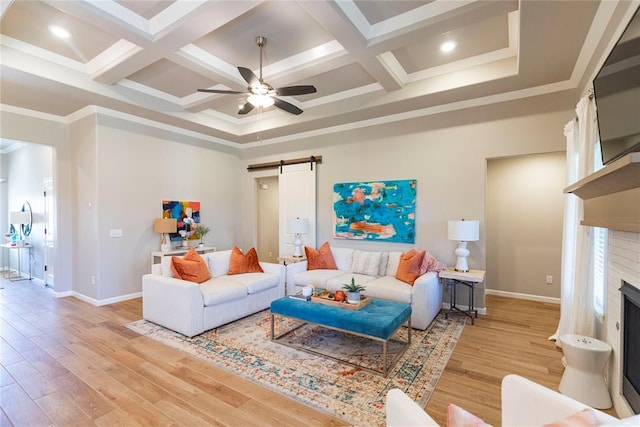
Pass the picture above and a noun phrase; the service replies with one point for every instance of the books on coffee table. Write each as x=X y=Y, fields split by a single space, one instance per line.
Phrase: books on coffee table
x=298 y=295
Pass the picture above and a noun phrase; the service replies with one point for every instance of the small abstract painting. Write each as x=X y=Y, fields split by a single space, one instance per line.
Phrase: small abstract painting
x=186 y=213
x=377 y=210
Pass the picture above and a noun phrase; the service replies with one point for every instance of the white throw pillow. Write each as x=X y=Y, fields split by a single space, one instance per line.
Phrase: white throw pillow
x=384 y=260
x=342 y=257
x=365 y=262
x=392 y=264
x=218 y=262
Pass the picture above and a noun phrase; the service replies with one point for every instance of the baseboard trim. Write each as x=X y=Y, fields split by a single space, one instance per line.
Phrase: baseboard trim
x=99 y=303
x=517 y=295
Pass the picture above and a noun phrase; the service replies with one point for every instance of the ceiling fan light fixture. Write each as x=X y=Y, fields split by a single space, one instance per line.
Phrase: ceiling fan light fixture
x=261 y=100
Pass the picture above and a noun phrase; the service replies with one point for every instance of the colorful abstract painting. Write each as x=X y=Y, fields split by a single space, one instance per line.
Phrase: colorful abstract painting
x=377 y=210
x=186 y=213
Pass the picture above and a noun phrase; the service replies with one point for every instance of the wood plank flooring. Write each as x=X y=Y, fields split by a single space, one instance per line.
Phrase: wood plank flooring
x=67 y=363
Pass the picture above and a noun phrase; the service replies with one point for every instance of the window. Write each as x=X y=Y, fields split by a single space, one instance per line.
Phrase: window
x=599 y=248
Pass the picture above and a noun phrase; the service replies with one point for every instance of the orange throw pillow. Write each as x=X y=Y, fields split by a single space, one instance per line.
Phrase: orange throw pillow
x=191 y=267
x=322 y=259
x=241 y=263
x=409 y=266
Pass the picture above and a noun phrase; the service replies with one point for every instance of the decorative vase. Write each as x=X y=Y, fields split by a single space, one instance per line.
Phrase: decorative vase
x=353 y=297
x=201 y=245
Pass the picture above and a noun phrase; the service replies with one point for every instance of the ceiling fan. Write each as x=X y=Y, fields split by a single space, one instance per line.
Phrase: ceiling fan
x=261 y=93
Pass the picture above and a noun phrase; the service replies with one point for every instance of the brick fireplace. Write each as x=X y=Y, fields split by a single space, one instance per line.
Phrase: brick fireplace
x=623 y=264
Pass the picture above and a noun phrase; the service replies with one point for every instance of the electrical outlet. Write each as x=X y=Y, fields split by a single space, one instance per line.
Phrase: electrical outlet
x=549 y=279
x=115 y=232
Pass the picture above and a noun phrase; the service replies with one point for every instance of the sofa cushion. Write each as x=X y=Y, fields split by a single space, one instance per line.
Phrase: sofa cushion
x=409 y=266
x=222 y=289
x=317 y=278
x=366 y=262
x=337 y=282
x=256 y=282
x=241 y=263
x=390 y=288
x=343 y=258
x=191 y=267
x=218 y=262
x=322 y=259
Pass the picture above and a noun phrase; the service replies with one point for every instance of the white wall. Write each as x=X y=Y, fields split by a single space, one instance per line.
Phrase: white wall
x=445 y=153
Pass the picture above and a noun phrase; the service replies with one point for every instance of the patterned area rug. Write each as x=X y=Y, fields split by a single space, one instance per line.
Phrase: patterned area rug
x=355 y=395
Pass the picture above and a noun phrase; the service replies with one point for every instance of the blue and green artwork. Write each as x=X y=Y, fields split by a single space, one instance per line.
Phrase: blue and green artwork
x=377 y=210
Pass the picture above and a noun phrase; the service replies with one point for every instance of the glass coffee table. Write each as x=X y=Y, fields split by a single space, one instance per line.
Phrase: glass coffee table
x=377 y=321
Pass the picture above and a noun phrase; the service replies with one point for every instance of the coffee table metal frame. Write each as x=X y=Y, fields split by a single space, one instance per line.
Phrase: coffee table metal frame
x=384 y=342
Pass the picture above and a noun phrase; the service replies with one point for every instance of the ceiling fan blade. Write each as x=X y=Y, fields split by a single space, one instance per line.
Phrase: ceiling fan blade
x=286 y=106
x=249 y=76
x=228 y=92
x=246 y=108
x=295 y=90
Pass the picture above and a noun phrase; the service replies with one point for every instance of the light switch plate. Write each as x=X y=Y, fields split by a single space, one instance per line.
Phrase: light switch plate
x=115 y=232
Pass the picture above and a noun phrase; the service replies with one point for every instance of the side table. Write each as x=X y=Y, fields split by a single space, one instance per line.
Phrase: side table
x=156 y=256
x=290 y=259
x=469 y=279
x=7 y=261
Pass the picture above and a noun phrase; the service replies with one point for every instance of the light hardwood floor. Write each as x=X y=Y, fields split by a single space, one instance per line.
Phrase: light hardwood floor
x=66 y=362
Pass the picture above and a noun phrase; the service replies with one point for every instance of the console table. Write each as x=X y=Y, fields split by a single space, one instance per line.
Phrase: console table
x=156 y=256
x=6 y=260
x=452 y=279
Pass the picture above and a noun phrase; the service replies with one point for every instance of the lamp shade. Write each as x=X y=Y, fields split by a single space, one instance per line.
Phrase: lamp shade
x=464 y=231
x=20 y=217
x=165 y=225
x=298 y=226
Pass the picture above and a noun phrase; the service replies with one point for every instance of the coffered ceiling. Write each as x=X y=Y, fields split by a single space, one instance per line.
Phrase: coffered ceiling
x=371 y=61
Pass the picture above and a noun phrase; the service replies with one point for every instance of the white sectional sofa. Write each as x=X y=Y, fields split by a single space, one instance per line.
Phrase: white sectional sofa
x=192 y=308
x=425 y=295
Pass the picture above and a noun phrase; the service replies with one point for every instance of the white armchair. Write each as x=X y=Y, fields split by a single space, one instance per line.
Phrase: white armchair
x=524 y=403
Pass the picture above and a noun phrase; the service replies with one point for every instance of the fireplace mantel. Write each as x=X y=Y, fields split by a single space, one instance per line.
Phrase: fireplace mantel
x=612 y=195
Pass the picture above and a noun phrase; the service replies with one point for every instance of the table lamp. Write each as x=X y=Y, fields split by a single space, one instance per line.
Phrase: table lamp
x=463 y=232
x=298 y=226
x=164 y=226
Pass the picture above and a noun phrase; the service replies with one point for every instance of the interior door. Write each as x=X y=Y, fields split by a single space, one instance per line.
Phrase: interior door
x=297 y=199
x=49 y=232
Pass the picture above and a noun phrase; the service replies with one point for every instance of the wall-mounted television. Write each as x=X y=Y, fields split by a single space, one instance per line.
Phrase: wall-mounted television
x=617 y=96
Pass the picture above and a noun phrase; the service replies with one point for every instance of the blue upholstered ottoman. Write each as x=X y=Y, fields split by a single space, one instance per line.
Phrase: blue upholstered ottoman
x=378 y=320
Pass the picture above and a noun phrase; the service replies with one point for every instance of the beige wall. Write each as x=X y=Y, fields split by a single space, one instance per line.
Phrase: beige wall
x=268 y=233
x=525 y=206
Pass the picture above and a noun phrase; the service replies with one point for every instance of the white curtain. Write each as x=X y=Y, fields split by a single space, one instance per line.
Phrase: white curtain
x=577 y=314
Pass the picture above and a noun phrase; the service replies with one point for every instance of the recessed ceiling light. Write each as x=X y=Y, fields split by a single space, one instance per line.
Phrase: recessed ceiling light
x=59 y=32
x=448 y=46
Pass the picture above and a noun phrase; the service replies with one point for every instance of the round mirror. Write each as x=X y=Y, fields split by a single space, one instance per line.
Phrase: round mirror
x=26 y=228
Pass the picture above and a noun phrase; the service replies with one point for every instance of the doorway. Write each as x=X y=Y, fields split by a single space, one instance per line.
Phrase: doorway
x=49 y=231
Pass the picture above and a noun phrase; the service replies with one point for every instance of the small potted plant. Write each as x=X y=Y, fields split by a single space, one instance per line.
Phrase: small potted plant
x=200 y=231
x=353 y=291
